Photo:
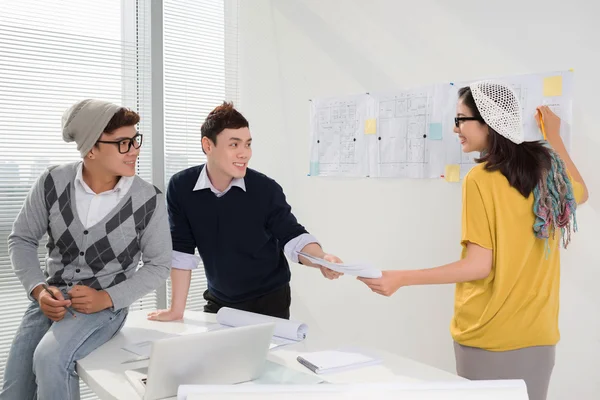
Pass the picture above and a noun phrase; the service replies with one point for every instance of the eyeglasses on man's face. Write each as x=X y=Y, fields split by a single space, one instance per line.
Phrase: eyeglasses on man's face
x=124 y=145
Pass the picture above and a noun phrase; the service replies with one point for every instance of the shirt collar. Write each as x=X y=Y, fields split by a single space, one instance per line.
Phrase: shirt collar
x=121 y=184
x=204 y=182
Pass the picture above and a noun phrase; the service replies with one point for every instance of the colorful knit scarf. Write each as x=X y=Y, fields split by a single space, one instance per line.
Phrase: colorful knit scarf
x=554 y=203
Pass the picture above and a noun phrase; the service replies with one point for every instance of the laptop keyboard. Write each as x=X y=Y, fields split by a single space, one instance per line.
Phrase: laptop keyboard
x=144 y=380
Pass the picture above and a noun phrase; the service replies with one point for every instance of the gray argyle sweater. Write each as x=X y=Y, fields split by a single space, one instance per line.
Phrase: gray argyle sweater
x=104 y=256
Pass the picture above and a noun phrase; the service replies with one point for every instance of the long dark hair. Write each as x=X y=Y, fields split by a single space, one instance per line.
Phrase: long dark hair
x=522 y=164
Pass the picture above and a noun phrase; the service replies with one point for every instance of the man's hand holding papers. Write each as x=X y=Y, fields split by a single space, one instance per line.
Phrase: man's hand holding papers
x=356 y=269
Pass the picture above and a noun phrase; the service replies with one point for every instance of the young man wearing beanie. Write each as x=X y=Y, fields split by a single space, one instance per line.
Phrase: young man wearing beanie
x=241 y=224
x=101 y=219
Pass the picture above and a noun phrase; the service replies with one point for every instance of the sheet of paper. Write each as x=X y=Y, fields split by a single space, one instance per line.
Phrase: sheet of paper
x=341 y=129
x=140 y=349
x=337 y=360
x=143 y=348
x=464 y=390
x=361 y=270
x=409 y=133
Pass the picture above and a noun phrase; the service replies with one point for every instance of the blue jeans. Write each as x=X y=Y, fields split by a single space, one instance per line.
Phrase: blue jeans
x=41 y=361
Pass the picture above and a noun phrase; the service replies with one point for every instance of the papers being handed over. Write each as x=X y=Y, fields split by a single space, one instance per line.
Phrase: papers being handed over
x=356 y=269
x=286 y=331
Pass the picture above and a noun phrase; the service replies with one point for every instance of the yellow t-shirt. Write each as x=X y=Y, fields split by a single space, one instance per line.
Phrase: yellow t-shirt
x=517 y=305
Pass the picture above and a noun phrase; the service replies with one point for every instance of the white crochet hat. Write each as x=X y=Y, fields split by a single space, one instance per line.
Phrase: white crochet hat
x=499 y=107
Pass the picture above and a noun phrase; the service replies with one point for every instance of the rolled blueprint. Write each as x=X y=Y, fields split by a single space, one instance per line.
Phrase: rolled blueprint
x=283 y=328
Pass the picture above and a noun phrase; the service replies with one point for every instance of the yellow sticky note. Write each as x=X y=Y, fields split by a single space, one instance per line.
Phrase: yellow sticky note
x=452 y=173
x=553 y=86
x=370 y=126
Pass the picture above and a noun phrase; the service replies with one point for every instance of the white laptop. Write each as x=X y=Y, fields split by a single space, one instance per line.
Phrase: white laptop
x=221 y=357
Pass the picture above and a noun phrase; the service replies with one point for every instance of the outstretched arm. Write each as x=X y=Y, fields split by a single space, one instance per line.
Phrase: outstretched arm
x=551 y=123
x=476 y=265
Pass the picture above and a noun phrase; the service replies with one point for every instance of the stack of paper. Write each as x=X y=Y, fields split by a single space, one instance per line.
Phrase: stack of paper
x=358 y=269
x=331 y=361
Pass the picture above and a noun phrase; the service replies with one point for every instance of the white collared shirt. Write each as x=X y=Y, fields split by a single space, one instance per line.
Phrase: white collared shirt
x=91 y=206
x=204 y=182
x=191 y=261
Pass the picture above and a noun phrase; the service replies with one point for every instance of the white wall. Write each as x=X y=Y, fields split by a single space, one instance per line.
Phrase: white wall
x=293 y=50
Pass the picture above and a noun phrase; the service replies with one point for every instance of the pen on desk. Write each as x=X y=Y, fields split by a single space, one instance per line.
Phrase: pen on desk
x=54 y=297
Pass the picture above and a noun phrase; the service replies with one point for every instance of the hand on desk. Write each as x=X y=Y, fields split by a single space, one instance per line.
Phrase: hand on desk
x=387 y=285
x=329 y=273
x=87 y=300
x=165 y=315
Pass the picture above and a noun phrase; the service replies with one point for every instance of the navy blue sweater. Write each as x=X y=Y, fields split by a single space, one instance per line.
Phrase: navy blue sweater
x=240 y=236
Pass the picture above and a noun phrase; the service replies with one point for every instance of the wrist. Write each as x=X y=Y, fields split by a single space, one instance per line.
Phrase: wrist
x=553 y=133
x=177 y=309
x=35 y=293
x=106 y=299
x=406 y=277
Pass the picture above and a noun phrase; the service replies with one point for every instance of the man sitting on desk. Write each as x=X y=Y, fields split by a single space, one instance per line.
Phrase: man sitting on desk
x=101 y=219
x=239 y=221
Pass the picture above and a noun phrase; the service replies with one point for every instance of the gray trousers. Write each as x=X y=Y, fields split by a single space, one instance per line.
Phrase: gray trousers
x=532 y=364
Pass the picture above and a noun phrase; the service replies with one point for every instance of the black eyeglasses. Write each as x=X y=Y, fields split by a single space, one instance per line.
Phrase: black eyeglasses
x=124 y=145
x=458 y=119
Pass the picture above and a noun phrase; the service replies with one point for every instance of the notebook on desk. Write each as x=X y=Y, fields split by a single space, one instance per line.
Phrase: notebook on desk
x=331 y=361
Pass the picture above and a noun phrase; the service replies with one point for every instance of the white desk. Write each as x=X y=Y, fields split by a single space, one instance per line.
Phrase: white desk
x=103 y=369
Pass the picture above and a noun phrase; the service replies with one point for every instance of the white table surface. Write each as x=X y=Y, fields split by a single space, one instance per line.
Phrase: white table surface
x=103 y=369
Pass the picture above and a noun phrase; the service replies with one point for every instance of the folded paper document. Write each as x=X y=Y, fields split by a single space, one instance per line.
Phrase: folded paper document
x=357 y=269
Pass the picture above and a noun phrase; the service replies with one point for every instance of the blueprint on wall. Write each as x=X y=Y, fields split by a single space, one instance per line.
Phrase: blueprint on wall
x=410 y=133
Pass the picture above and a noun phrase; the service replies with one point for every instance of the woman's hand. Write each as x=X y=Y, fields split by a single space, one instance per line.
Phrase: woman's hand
x=550 y=119
x=387 y=285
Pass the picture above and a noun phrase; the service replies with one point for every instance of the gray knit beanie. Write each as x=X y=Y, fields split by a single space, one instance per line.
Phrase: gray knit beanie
x=84 y=122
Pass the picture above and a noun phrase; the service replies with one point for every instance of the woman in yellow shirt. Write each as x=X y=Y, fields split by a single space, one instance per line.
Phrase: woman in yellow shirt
x=518 y=207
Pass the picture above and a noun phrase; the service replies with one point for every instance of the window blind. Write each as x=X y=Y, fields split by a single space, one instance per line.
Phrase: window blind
x=200 y=72
x=53 y=54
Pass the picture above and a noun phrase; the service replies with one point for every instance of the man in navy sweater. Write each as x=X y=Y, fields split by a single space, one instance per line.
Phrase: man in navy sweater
x=241 y=224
